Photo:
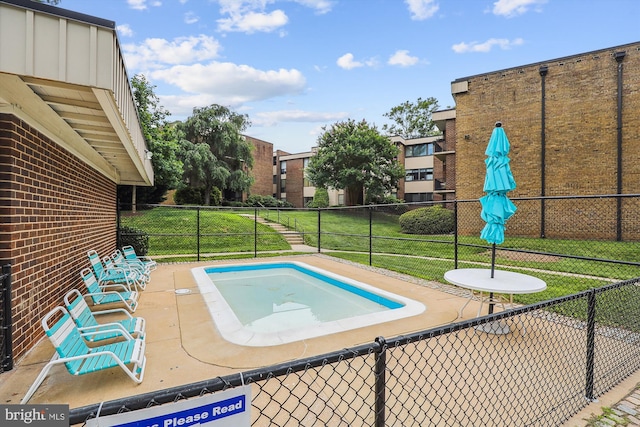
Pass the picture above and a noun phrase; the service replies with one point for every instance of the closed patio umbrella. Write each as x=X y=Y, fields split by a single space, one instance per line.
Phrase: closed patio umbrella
x=496 y=206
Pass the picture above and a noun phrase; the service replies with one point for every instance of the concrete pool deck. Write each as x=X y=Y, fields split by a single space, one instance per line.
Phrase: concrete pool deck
x=183 y=345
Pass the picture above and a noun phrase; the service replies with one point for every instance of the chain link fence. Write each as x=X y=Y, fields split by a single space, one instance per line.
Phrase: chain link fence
x=585 y=241
x=561 y=355
x=569 y=344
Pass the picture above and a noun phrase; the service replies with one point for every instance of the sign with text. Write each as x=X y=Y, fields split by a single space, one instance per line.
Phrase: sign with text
x=228 y=408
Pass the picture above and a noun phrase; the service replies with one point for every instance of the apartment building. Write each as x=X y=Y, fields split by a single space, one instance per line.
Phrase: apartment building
x=574 y=127
x=429 y=164
x=290 y=182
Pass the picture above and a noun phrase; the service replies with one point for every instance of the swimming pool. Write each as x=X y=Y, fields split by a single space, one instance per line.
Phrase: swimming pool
x=271 y=303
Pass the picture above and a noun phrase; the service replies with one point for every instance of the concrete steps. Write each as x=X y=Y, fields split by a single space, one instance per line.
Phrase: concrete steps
x=292 y=237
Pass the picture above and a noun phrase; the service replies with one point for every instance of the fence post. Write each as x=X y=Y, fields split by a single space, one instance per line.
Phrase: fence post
x=255 y=233
x=455 y=234
x=318 y=230
x=118 y=240
x=591 y=334
x=7 y=357
x=380 y=380
x=198 y=231
x=370 y=236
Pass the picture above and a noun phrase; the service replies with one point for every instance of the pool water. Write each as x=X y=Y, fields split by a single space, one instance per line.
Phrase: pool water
x=263 y=304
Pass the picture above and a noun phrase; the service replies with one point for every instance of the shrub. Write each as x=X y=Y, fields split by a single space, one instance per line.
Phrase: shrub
x=135 y=237
x=215 y=198
x=431 y=220
x=259 y=201
x=189 y=196
x=320 y=199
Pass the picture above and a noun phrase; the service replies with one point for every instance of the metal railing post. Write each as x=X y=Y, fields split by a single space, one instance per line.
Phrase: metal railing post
x=370 y=236
x=455 y=234
x=380 y=368
x=318 y=230
x=255 y=233
x=118 y=240
x=7 y=357
x=198 y=231
x=591 y=337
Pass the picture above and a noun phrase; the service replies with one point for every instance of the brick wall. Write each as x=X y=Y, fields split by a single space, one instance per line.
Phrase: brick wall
x=580 y=133
x=53 y=209
x=262 y=170
x=295 y=182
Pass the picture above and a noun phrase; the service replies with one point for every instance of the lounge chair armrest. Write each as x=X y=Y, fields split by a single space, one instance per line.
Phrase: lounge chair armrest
x=113 y=310
x=106 y=328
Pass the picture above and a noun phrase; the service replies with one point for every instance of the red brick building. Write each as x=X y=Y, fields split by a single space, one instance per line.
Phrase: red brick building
x=574 y=128
x=69 y=134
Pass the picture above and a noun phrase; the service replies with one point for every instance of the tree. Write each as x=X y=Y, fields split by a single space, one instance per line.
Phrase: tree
x=355 y=157
x=214 y=151
x=412 y=120
x=162 y=141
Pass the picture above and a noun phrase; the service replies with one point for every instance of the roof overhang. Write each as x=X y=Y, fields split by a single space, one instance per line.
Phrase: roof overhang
x=63 y=73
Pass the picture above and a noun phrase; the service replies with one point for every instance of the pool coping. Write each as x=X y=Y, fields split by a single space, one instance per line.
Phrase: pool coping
x=235 y=332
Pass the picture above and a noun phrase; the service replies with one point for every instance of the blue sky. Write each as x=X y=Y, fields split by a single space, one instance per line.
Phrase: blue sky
x=294 y=66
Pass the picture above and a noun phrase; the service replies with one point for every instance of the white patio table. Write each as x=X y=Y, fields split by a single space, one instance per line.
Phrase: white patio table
x=502 y=282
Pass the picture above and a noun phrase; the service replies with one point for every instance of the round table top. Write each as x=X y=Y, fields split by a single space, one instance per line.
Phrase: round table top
x=505 y=282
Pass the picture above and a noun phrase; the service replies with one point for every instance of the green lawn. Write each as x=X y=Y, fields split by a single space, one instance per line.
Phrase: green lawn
x=174 y=231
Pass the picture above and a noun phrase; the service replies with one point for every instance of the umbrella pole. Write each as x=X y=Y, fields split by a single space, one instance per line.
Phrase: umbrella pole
x=493 y=259
x=493 y=266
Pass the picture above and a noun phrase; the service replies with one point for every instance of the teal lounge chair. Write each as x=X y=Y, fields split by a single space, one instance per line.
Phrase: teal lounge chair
x=130 y=254
x=98 y=296
x=111 y=277
x=94 y=331
x=72 y=350
x=139 y=278
x=118 y=259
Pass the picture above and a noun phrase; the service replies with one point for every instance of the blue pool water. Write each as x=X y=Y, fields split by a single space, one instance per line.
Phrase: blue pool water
x=263 y=304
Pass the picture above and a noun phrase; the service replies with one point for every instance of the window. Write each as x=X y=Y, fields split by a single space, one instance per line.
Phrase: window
x=424 y=174
x=283 y=185
x=283 y=167
x=418 y=150
x=305 y=162
x=418 y=197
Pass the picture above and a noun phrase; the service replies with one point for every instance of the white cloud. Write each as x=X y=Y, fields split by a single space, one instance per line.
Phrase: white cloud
x=320 y=6
x=271 y=118
x=252 y=22
x=504 y=44
x=142 y=4
x=232 y=84
x=154 y=53
x=403 y=59
x=125 y=30
x=191 y=18
x=347 y=62
x=422 y=9
x=511 y=8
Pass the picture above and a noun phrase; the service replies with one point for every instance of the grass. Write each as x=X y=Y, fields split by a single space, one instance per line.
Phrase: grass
x=345 y=231
x=226 y=234
x=175 y=231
